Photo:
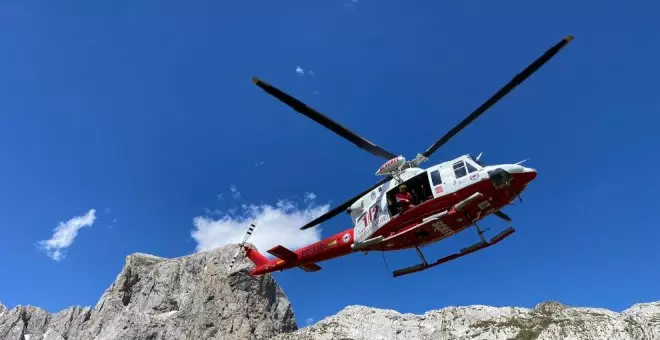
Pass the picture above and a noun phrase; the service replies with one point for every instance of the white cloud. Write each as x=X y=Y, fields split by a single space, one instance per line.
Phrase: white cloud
x=309 y=321
x=310 y=197
x=234 y=192
x=65 y=233
x=212 y=212
x=301 y=72
x=278 y=224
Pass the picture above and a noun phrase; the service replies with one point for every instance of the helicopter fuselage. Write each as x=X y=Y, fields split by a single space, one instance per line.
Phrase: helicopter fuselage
x=379 y=225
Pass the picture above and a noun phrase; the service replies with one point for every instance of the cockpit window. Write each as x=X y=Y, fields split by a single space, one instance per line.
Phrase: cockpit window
x=477 y=161
x=459 y=169
x=470 y=168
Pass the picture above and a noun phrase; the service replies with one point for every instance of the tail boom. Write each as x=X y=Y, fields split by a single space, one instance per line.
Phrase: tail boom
x=305 y=257
x=255 y=256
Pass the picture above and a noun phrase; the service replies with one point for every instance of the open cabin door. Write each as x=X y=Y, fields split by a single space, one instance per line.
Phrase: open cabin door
x=419 y=186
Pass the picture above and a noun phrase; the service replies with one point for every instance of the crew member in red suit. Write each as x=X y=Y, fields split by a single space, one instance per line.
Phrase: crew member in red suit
x=404 y=198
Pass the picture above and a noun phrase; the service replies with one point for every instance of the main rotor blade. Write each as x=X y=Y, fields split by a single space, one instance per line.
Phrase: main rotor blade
x=342 y=207
x=323 y=120
x=519 y=78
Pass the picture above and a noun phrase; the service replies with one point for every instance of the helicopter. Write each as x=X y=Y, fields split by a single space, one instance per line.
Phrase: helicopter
x=410 y=207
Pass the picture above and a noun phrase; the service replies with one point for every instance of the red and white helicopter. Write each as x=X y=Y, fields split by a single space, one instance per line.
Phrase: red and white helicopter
x=447 y=198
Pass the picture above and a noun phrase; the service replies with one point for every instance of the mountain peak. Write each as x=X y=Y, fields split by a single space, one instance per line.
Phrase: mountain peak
x=189 y=297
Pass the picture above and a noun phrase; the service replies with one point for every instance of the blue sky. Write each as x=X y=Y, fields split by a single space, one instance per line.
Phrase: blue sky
x=145 y=113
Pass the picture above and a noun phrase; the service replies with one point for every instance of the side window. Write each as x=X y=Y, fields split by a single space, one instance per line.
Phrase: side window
x=435 y=178
x=459 y=169
x=470 y=168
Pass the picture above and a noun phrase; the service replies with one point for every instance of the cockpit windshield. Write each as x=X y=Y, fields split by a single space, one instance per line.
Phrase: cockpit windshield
x=482 y=165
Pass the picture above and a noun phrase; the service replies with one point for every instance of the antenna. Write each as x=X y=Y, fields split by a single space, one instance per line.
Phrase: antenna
x=240 y=246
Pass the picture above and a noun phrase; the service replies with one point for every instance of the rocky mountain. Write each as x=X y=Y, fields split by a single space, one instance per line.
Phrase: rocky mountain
x=196 y=297
x=192 y=297
x=547 y=321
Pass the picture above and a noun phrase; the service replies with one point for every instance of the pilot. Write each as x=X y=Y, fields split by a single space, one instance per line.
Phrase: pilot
x=404 y=198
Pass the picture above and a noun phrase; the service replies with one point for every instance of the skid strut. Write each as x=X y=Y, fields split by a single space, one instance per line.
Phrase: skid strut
x=419 y=252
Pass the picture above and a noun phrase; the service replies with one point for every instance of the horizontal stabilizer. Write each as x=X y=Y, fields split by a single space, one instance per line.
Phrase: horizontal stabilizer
x=283 y=253
x=310 y=267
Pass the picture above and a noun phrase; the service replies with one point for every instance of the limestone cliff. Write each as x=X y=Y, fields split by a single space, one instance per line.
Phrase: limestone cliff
x=195 y=297
x=548 y=321
x=192 y=297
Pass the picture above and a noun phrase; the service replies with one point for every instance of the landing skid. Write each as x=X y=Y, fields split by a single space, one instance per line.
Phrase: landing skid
x=465 y=251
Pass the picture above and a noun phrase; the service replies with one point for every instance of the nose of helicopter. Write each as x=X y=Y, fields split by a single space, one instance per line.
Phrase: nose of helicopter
x=529 y=174
x=523 y=174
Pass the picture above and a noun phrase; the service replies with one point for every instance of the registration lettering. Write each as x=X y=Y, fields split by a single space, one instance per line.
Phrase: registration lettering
x=314 y=249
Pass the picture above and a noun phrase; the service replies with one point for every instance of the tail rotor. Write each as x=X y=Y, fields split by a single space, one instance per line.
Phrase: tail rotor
x=240 y=246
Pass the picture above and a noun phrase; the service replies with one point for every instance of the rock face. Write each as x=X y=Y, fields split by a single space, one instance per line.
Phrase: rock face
x=547 y=321
x=192 y=297
x=195 y=297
